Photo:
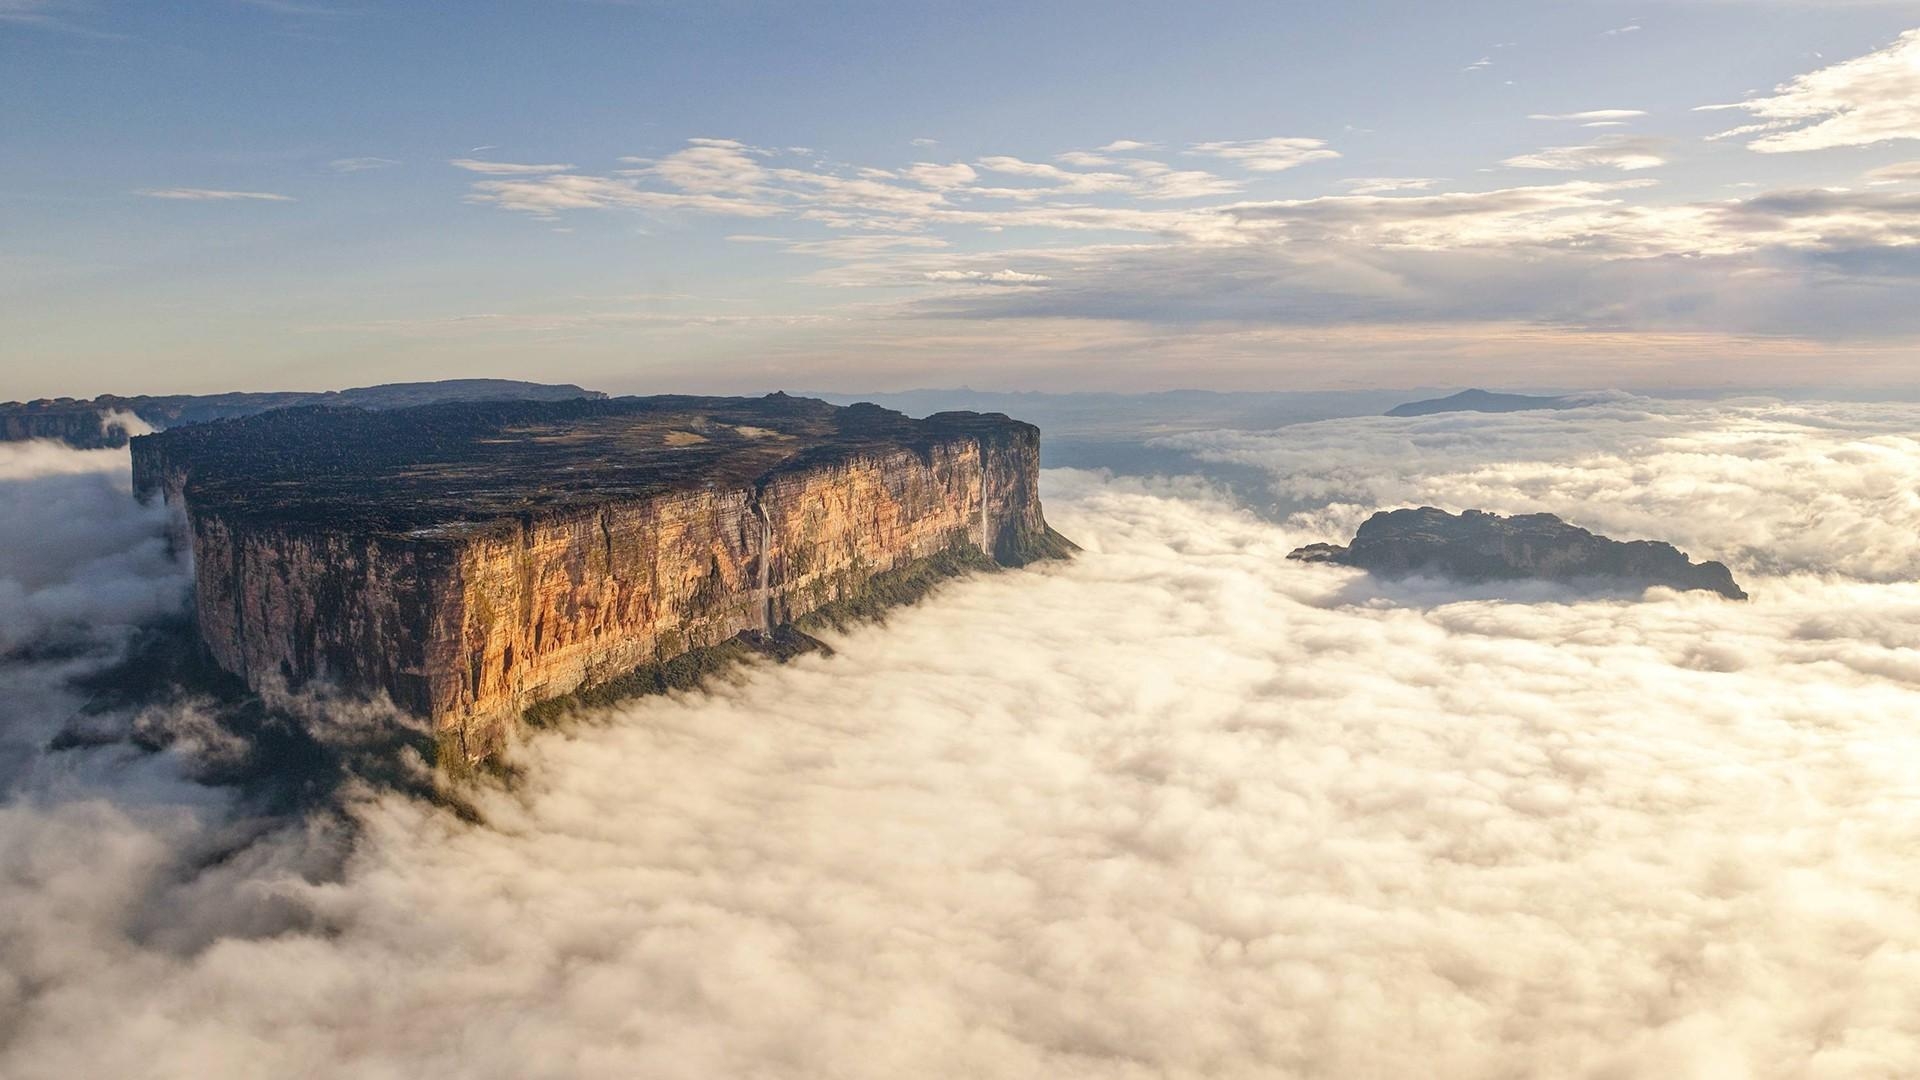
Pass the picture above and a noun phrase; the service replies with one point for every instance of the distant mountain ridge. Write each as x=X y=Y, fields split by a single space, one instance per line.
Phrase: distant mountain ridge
x=1103 y=414
x=1488 y=402
x=108 y=420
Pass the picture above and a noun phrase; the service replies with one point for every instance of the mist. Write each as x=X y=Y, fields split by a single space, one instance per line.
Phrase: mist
x=1178 y=807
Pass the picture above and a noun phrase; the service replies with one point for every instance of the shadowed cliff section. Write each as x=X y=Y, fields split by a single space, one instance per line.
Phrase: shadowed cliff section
x=1476 y=546
x=472 y=560
x=92 y=423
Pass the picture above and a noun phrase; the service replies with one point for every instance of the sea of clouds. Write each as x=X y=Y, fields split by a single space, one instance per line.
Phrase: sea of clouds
x=1176 y=808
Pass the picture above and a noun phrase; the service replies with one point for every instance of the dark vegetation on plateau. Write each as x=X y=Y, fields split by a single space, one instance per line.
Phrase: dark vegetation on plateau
x=462 y=463
x=78 y=421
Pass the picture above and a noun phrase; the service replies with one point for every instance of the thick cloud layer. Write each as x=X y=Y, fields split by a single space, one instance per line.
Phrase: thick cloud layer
x=1761 y=485
x=1178 y=808
x=81 y=557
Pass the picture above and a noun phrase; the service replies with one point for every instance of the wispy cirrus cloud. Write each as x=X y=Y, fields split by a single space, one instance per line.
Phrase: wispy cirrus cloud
x=1142 y=178
x=188 y=194
x=546 y=195
x=506 y=168
x=1864 y=101
x=1057 y=179
x=1610 y=217
x=30 y=12
x=1906 y=172
x=297 y=8
x=1626 y=153
x=941 y=177
x=1591 y=116
x=1267 y=155
x=1387 y=185
x=707 y=165
x=1580 y=255
x=1588 y=254
x=55 y=15
x=726 y=176
x=361 y=164
x=986 y=277
x=1086 y=159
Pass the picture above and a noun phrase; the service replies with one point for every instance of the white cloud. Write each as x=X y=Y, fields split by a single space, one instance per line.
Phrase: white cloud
x=27 y=10
x=49 y=15
x=1386 y=185
x=212 y=195
x=1870 y=99
x=1122 y=146
x=1178 y=808
x=1592 y=115
x=549 y=194
x=82 y=558
x=861 y=246
x=1267 y=155
x=295 y=7
x=941 y=177
x=986 y=277
x=506 y=168
x=1811 y=265
x=1630 y=28
x=1904 y=173
x=1596 y=255
x=1626 y=153
x=709 y=167
x=1184 y=184
x=1083 y=159
x=1058 y=179
x=1769 y=487
x=361 y=164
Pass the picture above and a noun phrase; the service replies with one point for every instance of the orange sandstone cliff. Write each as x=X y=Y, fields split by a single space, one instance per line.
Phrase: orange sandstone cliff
x=472 y=560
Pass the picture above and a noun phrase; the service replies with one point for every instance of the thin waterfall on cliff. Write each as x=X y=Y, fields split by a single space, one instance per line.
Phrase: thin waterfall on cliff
x=765 y=590
x=986 y=538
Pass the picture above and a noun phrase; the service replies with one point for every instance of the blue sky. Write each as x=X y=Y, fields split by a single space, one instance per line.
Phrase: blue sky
x=729 y=196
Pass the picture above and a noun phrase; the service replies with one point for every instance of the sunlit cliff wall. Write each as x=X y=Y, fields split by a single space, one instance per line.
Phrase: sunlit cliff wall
x=469 y=627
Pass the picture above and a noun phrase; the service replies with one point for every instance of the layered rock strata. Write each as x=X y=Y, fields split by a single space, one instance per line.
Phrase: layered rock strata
x=470 y=561
x=1476 y=546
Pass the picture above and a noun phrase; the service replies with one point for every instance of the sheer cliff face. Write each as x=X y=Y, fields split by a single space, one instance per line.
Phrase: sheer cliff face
x=470 y=620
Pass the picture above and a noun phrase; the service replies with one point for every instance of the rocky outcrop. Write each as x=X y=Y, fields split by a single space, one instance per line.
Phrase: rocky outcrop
x=472 y=561
x=1476 y=546
x=109 y=420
